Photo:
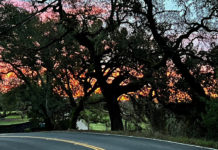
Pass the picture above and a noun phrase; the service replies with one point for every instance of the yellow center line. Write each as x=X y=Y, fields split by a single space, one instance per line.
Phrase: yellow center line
x=56 y=139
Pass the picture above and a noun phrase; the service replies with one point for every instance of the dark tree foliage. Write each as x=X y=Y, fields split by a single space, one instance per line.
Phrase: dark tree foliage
x=39 y=59
x=179 y=34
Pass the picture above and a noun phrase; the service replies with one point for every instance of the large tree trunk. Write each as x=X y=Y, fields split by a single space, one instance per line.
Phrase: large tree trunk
x=75 y=114
x=73 y=121
x=114 y=113
x=48 y=121
x=112 y=103
x=48 y=124
x=109 y=92
x=74 y=118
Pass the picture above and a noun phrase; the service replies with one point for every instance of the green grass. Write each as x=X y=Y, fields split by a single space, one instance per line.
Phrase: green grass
x=97 y=127
x=131 y=126
x=4 y=123
x=13 y=119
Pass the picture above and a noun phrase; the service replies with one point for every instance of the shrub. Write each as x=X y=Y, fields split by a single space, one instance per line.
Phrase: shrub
x=210 y=119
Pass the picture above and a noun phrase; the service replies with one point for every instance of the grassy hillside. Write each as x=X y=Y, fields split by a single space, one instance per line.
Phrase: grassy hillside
x=13 y=119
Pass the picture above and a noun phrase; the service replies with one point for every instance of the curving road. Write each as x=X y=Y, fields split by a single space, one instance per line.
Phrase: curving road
x=84 y=141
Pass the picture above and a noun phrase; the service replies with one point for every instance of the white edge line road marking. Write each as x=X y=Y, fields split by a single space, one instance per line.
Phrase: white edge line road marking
x=55 y=139
x=206 y=148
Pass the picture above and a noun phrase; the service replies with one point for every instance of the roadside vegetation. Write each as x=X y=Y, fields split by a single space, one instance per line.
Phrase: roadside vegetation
x=159 y=136
x=13 y=118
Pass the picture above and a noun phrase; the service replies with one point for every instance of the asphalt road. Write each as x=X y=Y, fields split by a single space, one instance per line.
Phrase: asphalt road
x=83 y=141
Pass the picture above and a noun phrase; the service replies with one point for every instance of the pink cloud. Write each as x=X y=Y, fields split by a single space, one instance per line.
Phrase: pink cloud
x=28 y=6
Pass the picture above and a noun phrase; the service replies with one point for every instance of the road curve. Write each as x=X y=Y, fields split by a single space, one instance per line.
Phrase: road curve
x=84 y=141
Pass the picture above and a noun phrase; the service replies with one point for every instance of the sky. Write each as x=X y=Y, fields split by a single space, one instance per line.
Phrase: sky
x=170 y=5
